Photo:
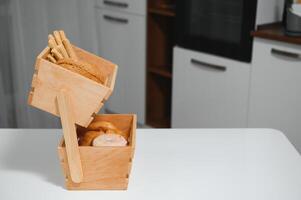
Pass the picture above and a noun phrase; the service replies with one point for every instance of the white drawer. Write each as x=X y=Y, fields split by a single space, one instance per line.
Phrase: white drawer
x=129 y=6
x=278 y=50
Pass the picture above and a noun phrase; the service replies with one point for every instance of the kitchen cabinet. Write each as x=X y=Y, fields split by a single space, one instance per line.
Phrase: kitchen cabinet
x=275 y=93
x=160 y=42
x=122 y=40
x=208 y=91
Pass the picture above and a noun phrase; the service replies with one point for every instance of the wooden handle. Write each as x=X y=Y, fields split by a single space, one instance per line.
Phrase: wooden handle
x=70 y=136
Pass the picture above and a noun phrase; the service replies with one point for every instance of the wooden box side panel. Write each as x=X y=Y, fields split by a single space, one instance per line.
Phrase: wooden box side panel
x=100 y=184
x=108 y=68
x=104 y=184
x=101 y=162
x=103 y=167
x=86 y=95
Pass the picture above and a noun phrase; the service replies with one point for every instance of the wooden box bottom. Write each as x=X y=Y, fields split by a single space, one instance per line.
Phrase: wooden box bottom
x=104 y=168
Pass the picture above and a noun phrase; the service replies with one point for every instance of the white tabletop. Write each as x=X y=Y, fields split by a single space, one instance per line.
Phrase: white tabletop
x=217 y=164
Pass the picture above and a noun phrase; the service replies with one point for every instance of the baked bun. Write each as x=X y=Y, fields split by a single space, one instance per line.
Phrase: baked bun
x=88 y=137
x=109 y=139
x=82 y=68
x=102 y=125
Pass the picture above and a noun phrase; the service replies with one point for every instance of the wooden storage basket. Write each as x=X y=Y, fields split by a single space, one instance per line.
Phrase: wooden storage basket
x=76 y=100
x=104 y=167
x=86 y=96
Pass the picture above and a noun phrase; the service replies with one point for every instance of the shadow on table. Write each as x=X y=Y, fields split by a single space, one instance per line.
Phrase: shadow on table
x=36 y=153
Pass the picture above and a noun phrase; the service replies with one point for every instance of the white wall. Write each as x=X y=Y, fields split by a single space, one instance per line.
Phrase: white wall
x=269 y=11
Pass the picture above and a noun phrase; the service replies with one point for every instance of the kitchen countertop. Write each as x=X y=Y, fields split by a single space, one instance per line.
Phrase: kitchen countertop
x=275 y=31
x=211 y=164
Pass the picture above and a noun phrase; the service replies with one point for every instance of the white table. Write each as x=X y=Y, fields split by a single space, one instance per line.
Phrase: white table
x=223 y=164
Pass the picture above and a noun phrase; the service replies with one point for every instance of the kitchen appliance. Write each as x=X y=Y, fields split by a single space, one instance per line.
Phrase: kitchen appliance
x=216 y=26
x=292 y=18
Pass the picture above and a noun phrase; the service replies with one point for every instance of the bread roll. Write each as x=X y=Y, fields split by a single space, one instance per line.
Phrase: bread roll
x=109 y=140
x=102 y=125
x=118 y=132
x=82 y=68
x=88 y=137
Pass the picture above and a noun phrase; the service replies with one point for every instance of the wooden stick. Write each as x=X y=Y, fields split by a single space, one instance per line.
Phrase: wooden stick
x=51 y=58
x=69 y=49
x=57 y=54
x=69 y=130
x=62 y=50
x=50 y=37
x=52 y=43
x=57 y=37
x=63 y=35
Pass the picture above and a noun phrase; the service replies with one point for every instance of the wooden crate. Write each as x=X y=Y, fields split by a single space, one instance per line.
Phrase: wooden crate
x=106 y=168
x=86 y=96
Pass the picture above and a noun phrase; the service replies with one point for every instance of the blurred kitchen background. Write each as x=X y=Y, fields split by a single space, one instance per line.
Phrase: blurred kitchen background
x=194 y=63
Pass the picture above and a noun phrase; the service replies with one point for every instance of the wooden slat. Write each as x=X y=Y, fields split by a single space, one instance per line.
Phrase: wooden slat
x=85 y=94
x=101 y=184
x=102 y=162
x=133 y=131
x=69 y=130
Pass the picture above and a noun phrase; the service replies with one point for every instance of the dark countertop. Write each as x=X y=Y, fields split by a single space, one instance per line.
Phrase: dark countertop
x=275 y=31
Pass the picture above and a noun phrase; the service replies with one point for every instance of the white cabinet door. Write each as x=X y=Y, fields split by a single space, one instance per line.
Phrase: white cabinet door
x=275 y=97
x=122 y=40
x=209 y=91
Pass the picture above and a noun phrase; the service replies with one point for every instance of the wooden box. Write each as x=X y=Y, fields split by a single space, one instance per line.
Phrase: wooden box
x=104 y=167
x=76 y=100
x=86 y=96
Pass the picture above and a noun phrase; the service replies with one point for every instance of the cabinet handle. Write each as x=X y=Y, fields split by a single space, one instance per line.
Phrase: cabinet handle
x=208 y=65
x=116 y=4
x=286 y=54
x=116 y=19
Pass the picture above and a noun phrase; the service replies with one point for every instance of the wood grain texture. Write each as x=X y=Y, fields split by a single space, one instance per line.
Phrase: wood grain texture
x=106 y=67
x=87 y=96
x=66 y=112
x=101 y=184
x=104 y=167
